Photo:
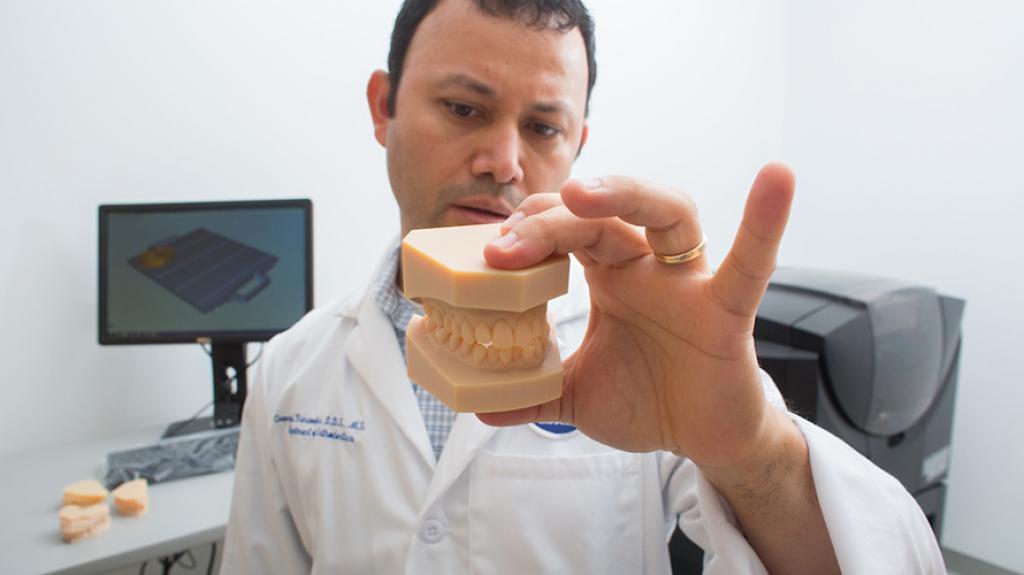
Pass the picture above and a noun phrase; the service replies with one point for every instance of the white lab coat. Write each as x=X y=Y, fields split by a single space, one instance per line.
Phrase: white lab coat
x=335 y=474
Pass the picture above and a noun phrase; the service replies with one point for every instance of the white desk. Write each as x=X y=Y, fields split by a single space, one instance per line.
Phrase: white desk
x=182 y=513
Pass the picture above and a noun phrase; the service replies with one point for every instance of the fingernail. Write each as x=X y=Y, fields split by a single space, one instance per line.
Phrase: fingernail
x=512 y=220
x=506 y=241
x=591 y=183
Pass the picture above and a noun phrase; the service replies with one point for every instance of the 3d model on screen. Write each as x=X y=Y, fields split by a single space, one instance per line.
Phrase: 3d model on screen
x=206 y=269
x=486 y=343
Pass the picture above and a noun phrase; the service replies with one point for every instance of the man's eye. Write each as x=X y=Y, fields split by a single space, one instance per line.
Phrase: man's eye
x=544 y=130
x=461 y=110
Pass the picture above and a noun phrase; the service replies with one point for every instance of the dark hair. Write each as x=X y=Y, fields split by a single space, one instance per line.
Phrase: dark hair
x=561 y=15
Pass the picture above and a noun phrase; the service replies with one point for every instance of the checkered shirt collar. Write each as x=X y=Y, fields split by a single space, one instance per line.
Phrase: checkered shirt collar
x=395 y=306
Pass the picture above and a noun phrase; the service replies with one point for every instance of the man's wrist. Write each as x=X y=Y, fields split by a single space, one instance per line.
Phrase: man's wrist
x=775 y=504
x=758 y=481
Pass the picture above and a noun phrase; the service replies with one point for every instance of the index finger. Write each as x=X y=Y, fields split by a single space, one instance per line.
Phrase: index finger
x=559 y=231
x=669 y=217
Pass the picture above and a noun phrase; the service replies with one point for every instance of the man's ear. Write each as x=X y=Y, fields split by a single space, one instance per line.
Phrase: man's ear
x=377 y=90
x=583 y=137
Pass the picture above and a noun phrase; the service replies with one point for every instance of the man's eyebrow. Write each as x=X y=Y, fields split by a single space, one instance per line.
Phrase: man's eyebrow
x=548 y=107
x=468 y=82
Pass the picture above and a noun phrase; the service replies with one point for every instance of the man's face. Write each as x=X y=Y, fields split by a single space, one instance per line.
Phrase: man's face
x=488 y=111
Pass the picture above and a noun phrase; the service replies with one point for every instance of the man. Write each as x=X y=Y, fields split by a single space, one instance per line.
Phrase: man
x=482 y=113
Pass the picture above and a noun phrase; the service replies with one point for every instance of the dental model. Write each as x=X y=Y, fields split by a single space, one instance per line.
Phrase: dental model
x=486 y=343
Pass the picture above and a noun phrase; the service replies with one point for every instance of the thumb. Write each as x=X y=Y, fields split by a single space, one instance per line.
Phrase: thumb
x=549 y=411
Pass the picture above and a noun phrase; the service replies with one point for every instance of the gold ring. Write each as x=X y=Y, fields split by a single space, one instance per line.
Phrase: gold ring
x=684 y=257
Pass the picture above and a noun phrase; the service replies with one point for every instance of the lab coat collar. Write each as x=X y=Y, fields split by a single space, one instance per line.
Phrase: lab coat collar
x=387 y=377
x=373 y=350
x=467 y=437
x=351 y=307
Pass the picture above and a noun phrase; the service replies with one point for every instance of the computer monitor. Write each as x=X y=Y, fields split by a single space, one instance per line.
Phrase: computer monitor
x=217 y=273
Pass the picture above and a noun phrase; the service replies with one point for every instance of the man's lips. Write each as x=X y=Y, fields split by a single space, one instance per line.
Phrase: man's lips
x=487 y=205
x=478 y=216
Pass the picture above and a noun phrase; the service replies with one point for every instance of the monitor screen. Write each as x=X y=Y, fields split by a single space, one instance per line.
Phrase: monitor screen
x=216 y=271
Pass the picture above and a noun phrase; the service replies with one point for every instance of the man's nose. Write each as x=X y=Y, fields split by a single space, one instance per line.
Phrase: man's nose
x=499 y=155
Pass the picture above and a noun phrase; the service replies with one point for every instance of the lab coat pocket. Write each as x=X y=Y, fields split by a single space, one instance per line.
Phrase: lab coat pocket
x=555 y=514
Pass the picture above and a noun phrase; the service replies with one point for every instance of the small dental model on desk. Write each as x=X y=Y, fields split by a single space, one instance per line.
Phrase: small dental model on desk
x=486 y=343
x=85 y=513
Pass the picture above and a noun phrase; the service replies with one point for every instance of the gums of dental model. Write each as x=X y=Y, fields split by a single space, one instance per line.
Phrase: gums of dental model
x=485 y=343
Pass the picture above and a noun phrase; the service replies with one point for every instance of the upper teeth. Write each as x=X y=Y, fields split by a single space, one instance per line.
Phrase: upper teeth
x=486 y=338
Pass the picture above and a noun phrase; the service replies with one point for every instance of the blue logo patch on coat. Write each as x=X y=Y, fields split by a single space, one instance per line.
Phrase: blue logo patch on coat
x=557 y=428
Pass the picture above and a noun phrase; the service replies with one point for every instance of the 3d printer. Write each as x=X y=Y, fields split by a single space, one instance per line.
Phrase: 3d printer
x=872 y=360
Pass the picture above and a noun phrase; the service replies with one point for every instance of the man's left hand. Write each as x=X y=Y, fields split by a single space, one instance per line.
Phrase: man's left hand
x=668 y=358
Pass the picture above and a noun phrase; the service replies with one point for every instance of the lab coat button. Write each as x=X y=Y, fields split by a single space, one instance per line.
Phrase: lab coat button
x=432 y=531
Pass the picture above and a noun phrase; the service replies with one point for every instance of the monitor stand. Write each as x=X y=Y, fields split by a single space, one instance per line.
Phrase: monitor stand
x=229 y=390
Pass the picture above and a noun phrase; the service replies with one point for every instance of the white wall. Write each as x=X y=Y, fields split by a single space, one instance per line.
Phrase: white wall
x=905 y=125
x=125 y=101
x=899 y=120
